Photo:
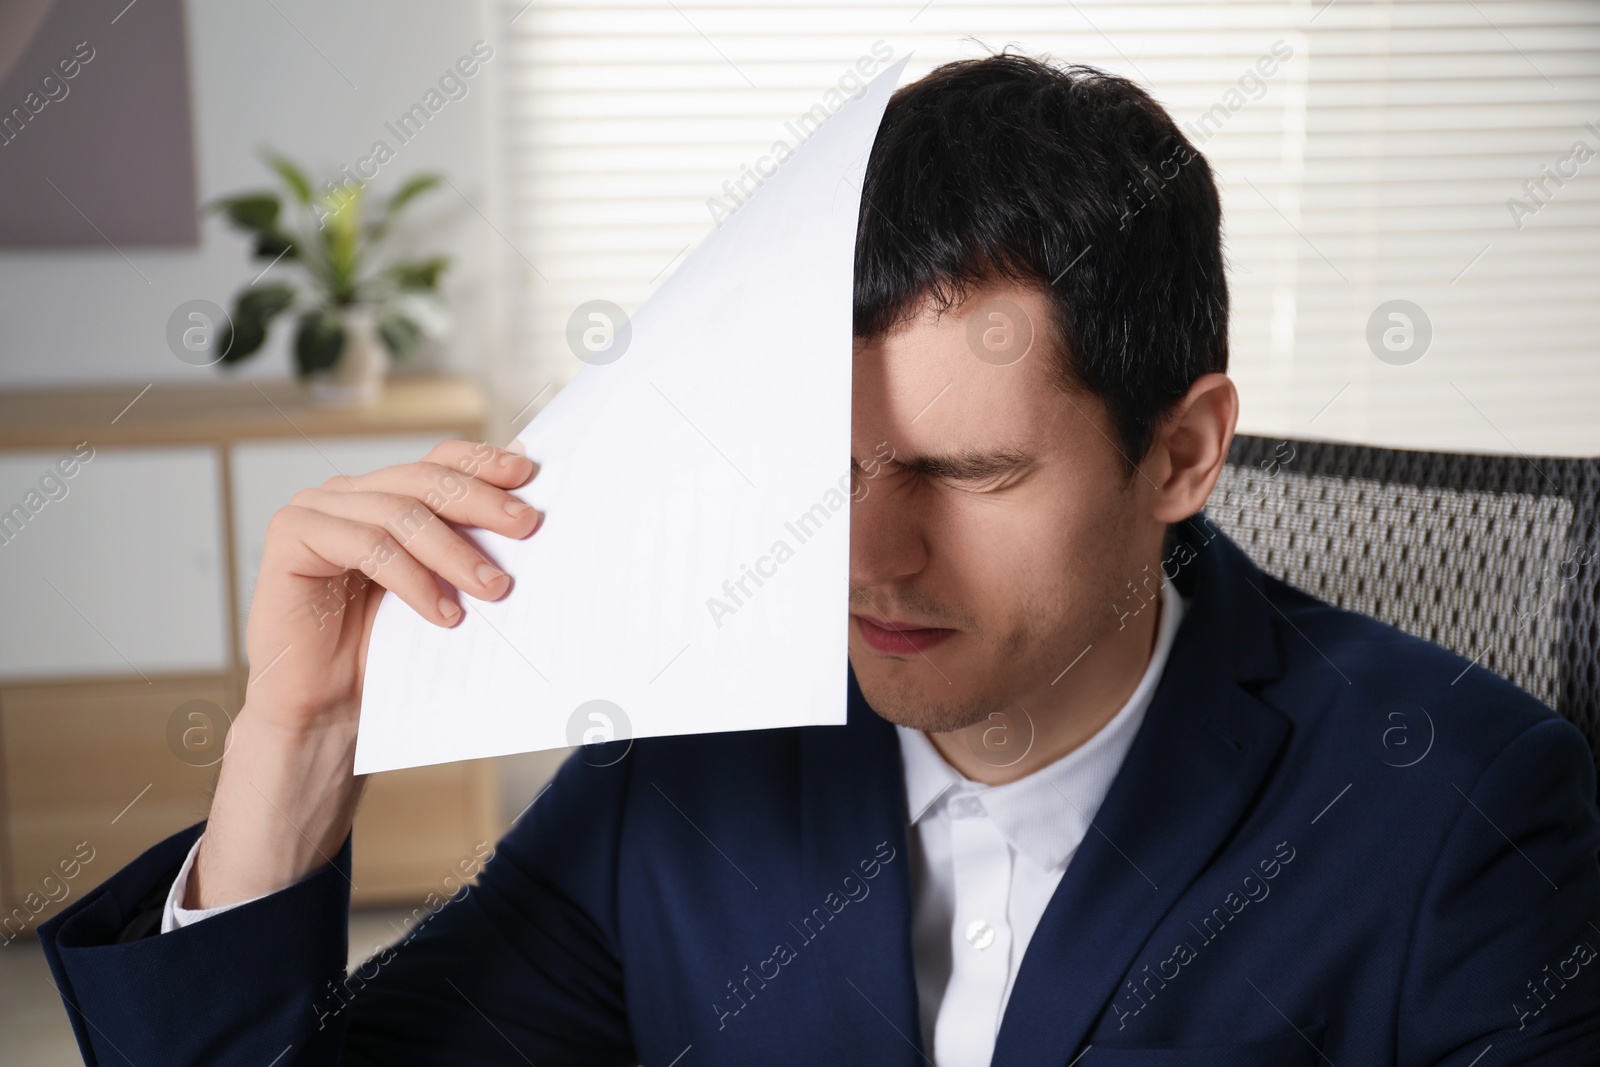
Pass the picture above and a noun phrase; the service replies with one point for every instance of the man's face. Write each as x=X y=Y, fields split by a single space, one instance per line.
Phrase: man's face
x=993 y=524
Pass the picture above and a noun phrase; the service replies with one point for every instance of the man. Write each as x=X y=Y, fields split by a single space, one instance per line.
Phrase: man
x=1062 y=825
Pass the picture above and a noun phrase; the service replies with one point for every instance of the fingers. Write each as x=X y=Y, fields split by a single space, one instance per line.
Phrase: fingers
x=435 y=488
x=477 y=459
x=395 y=523
x=386 y=525
x=323 y=545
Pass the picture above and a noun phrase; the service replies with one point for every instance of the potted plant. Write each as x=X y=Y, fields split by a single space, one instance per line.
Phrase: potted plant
x=351 y=317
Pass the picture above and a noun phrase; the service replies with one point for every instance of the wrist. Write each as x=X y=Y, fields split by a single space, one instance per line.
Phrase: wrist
x=284 y=804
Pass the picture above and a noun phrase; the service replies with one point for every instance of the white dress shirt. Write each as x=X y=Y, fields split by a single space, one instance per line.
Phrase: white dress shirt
x=174 y=914
x=985 y=861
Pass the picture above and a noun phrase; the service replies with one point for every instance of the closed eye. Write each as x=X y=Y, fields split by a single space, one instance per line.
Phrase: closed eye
x=973 y=471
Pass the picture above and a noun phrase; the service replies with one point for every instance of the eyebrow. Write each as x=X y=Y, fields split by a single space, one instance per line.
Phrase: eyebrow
x=967 y=464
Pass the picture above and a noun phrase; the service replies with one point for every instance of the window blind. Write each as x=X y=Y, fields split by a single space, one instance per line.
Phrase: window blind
x=1412 y=216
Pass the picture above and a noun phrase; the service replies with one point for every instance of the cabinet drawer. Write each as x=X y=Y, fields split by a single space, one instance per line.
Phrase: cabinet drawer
x=414 y=826
x=115 y=569
x=117 y=766
x=90 y=763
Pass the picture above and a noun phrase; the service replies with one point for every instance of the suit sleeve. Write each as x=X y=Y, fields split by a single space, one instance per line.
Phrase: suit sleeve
x=1504 y=949
x=521 y=967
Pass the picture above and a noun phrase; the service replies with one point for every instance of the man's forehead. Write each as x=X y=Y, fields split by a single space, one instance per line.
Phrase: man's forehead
x=929 y=382
x=1004 y=327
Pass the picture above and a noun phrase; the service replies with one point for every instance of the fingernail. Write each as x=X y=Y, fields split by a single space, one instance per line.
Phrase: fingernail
x=488 y=573
x=518 y=447
x=516 y=508
x=448 y=609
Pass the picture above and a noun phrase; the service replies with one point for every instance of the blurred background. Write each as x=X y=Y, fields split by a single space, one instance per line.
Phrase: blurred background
x=247 y=246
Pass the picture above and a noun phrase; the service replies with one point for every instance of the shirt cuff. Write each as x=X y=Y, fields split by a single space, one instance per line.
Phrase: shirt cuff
x=173 y=915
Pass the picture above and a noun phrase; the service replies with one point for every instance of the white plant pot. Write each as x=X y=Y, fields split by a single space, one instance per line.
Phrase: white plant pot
x=357 y=379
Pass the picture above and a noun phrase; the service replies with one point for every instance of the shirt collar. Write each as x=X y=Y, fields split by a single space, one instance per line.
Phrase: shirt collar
x=1046 y=814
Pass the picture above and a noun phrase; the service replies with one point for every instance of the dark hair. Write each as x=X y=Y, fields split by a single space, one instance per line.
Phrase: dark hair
x=1071 y=179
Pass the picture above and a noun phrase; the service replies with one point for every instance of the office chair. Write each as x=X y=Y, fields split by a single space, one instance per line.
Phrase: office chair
x=1494 y=557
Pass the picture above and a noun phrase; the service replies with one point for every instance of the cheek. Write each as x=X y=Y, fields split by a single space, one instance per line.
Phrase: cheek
x=1054 y=577
x=1006 y=562
x=978 y=548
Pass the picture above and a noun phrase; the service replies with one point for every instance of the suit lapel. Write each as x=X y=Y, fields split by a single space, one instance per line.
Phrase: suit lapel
x=852 y=813
x=1205 y=745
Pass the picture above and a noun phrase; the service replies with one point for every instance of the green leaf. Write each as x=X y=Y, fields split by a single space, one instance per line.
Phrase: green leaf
x=253 y=311
x=399 y=333
x=419 y=273
x=256 y=212
x=264 y=302
x=410 y=189
x=271 y=244
x=292 y=176
x=318 y=341
x=340 y=221
x=235 y=343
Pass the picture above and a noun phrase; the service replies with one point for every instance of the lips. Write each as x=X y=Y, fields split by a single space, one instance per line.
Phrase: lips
x=899 y=637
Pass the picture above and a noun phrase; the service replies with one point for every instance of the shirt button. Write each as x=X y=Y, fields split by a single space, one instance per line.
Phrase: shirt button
x=967 y=807
x=980 y=935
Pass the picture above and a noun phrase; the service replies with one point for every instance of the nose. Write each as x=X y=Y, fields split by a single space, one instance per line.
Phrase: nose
x=887 y=542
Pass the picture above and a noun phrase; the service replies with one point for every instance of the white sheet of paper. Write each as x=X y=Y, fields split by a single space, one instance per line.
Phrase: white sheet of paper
x=692 y=571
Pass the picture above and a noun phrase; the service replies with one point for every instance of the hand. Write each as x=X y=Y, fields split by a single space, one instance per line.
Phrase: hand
x=287 y=792
x=331 y=551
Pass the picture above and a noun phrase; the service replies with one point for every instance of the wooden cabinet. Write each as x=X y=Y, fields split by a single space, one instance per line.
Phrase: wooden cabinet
x=130 y=535
x=122 y=572
x=89 y=773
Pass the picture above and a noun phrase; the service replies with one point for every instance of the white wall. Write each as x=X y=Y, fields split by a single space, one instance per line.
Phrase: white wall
x=322 y=98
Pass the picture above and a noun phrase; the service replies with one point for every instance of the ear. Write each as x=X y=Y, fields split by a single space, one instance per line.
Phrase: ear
x=1191 y=445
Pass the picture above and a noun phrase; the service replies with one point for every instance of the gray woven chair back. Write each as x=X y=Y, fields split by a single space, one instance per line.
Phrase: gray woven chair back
x=1494 y=557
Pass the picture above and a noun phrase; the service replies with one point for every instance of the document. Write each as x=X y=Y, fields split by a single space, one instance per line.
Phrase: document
x=691 y=574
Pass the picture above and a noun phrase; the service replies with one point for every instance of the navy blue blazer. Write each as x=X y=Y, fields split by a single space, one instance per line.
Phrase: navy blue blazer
x=1327 y=843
